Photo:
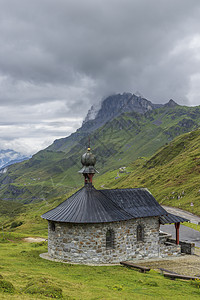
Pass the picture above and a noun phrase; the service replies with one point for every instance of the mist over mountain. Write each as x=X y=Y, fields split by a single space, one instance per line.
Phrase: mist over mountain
x=123 y=128
x=105 y=111
x=114 y=105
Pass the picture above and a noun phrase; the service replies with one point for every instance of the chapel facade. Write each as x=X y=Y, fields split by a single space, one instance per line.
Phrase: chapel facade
x=110 y=225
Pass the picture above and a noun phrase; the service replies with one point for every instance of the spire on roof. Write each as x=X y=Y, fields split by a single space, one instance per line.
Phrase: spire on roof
x=88 y=161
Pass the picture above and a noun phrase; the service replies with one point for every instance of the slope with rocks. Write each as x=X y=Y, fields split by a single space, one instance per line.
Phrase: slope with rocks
x=53 y=172
x=172 y=174
x=9 y=157
x=107 y=110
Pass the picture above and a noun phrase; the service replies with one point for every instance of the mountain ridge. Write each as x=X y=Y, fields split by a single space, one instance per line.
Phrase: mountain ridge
x=54 y=171
x=172 y=175
x=110 y=108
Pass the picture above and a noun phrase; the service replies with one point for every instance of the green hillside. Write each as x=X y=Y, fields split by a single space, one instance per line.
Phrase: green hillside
x=172 y=174
x=49 y=174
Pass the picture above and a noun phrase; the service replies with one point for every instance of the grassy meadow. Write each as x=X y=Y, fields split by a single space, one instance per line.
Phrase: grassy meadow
x=172 y=175
x=24 y=275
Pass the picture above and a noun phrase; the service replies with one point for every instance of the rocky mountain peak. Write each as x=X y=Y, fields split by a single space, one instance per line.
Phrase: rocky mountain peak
x=105 y=111
x=114 y=105
x=171 y=103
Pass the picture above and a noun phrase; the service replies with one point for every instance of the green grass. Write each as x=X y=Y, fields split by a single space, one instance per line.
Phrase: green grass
x=191 y=225
x=33 y=278
x=172 y=174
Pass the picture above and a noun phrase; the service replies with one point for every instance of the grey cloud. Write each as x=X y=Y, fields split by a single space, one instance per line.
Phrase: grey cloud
x=53 y=41
x=59 y=57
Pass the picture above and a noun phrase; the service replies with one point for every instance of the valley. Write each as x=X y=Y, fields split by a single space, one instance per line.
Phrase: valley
x=158 y=149
x=125 y=148
x=121 y=140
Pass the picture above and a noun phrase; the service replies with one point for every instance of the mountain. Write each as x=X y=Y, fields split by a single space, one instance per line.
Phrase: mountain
x=115 y=105
x=172 y=174
x=121 y=139
x=105 y=111
x=9 y=157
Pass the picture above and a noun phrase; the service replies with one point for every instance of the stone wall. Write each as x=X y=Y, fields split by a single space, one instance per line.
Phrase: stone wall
x=186 y=247
x=167 y=246
x=169 y=249
x=86 y=243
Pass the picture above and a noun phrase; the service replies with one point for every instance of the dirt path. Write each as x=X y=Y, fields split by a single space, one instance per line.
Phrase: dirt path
x=34 y=240
x=184 y=265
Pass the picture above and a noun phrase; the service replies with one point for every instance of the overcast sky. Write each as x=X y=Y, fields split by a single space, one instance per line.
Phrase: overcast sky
x=58 y=57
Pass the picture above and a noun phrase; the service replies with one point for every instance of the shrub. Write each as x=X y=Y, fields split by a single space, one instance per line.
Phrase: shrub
x=196 y=283
x=36 y=245
x=117 y=287
x=42 y=286
x=151 y=283
x=15 y=224
x=6 y=286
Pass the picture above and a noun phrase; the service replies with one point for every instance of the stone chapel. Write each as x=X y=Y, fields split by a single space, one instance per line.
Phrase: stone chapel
x=108 y=226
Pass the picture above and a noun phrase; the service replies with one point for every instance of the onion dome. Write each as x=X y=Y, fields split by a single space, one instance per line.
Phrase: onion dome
x=88 y=161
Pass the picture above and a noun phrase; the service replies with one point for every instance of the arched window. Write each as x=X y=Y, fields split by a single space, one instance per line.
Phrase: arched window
x=110 y=237
x=52 y=226
x=140 y=233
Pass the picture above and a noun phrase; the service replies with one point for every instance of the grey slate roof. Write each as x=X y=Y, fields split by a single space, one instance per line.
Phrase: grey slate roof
x=138 y=202
x=170 y=218
x=89 y=205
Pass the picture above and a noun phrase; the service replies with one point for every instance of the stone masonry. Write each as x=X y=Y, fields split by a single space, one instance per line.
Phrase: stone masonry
x=86 y=243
